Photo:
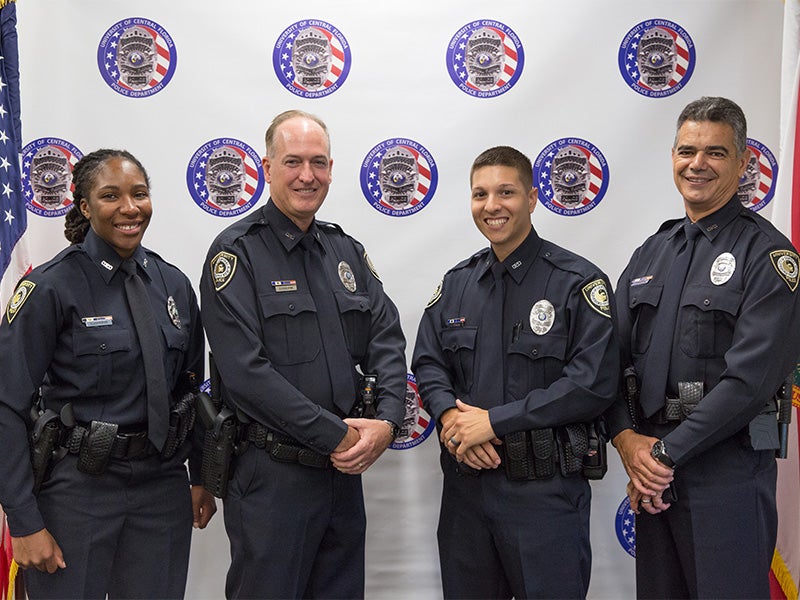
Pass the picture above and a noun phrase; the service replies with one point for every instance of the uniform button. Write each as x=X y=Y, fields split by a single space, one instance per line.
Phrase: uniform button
x=283 y=423
x=291 y=306
x=706 y=302
x=103 y=347
x=534 y=352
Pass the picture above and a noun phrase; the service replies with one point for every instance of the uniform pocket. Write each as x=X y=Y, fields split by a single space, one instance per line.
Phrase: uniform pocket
x=458 y=345
x=643 y=303
x=708 y=315
x=356 y=316
x=94 y=351
x=534 y=361
x=291 y=334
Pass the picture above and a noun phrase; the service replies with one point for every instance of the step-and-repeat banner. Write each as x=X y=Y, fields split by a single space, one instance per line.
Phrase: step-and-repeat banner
x=412 y=91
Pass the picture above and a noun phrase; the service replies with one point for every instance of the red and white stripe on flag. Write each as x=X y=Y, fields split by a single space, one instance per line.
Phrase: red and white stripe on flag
x=785 y=573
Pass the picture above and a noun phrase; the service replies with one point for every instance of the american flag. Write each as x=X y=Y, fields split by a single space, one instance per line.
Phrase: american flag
x=14 y=259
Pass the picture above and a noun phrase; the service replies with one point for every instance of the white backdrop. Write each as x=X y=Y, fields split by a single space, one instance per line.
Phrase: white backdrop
x=223 y=86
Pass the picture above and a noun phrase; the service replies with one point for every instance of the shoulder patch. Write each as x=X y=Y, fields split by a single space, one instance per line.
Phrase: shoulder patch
x=786 y=264
x=437 y=294
x=596 y=295
x=223 y=266
x=371 y=267
x=21 y=294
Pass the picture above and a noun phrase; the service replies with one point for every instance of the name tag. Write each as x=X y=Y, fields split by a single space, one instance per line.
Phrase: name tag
x=285 y=285
x=97 y=321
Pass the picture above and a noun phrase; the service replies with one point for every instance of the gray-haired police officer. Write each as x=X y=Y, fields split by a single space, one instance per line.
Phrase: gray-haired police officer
x=711 y=341
x=517 y=345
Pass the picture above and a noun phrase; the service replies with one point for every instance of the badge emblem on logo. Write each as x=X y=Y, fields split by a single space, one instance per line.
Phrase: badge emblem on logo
x=172 y=311
x=723 y=268
x=47 y=165
x=223 y=267
x=399 y=177
x=485 y=58
x=417 y=423
x=311 y=58
x=757 y=185
x=572 y=176
x=786 y=264
x=656 y=58
x=542 y=317
x=625 y=526
x=347 y=277
x=225 y=177
x=23 y=292
x=596 y=295
x=137 y=57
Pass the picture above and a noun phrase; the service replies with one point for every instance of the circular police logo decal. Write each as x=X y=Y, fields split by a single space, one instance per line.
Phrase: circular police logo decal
x=311 y=58
x=47 y=165
x=399 y=177
x=572 y=176
x=485 y=58
x=417 y=424
x=656 y=58
x=137 y=57
x=225 y=177
x=757 y=185
x=625 y=526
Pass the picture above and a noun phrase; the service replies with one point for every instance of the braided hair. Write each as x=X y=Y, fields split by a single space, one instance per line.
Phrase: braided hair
x=83 y=178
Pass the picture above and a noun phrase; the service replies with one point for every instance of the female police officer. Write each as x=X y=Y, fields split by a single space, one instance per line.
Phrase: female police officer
x=114 y=516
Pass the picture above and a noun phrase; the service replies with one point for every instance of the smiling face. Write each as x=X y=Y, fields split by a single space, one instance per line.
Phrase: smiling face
x=706 y=166
x=118 y=205
x=502 y=207
x=298 y=169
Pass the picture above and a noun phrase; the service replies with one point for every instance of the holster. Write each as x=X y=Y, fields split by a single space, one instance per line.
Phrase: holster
x=96 y=446
x=181 y=422
x=573 y=443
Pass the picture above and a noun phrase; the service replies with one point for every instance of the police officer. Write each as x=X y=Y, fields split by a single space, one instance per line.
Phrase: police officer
x=708 y=318
x=69 y=338
x=515 y=354
x=291 y=307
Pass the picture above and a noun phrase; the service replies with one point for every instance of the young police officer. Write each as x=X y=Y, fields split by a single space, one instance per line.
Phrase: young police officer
x=515 y=355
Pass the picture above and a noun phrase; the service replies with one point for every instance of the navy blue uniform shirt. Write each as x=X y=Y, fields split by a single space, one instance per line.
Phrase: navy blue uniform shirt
x=261 y=322
x=68 y=329
x=560 y=352
x=737 y=325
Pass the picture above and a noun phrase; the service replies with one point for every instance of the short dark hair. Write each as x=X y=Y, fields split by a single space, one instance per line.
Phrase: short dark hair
x=716 y=110
x=269 y=137
x=83 y=175
x=505 y=156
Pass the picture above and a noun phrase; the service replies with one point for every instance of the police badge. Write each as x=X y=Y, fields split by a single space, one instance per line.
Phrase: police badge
x=346 y=277
x=542 y=317
x=723 y=268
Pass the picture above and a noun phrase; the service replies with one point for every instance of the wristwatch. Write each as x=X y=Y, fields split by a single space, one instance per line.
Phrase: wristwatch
x=395 y=428
x=659 y=452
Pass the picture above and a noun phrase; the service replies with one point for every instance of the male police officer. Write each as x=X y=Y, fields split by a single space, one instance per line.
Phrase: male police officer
x=291 y=306
x=708 y=318
x=517 y=345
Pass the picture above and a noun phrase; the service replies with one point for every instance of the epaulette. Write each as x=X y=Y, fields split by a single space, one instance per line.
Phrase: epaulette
x=59 y=257
x=566 y=260
x=330 y=227
x=241 y=227
x=668 y=224
x=478 y=256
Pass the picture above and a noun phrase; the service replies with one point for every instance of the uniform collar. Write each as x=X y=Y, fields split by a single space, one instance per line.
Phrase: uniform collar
x=712 y=224
x=520 y=260
x=106 y=259
x=288 y=233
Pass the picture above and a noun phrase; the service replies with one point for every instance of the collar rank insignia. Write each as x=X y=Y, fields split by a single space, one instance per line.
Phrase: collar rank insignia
x=24 y=291
x=223 y=267
x=596 y=295
x=786 y=264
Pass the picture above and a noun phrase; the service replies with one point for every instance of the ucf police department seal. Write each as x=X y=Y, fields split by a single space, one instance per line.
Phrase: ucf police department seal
x=757 y=185
x=22 y=293
x=47 y=165
x=572 y=176
x=225 y=177
x=786 y=264
x=625 y=527
x=223 y=267
x=417 y=424
x=656 y=58
x=485 y=58
x=137 y=57
x=399 y=177
x=311 y=58
x=596 y=295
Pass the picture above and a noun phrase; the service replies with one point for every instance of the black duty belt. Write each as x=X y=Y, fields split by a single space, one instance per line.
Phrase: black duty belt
x=132 y=445
x=283 y=448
